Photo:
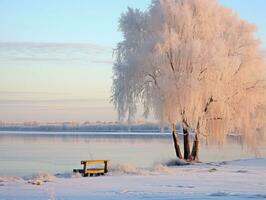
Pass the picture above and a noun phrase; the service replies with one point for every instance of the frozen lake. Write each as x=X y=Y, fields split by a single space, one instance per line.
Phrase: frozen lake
x=25 y=153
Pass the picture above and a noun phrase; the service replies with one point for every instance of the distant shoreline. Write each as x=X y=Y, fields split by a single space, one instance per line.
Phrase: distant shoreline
x=152 y=128
x=87 y=135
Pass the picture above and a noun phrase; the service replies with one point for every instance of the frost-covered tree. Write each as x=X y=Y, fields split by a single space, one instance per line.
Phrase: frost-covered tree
x=195 y=63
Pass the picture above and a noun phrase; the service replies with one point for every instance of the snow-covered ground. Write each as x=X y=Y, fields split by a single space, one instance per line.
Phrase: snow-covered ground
x=243 y=179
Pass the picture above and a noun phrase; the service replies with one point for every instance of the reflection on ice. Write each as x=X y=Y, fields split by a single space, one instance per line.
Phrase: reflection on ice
x=25 y=154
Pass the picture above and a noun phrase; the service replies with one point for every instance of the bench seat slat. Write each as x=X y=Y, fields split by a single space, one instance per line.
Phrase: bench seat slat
x=94 y=171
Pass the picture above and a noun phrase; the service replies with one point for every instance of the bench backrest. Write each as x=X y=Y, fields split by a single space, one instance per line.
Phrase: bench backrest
x=94 y=161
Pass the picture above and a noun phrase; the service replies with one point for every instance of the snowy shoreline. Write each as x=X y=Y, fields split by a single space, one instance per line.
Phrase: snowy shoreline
x=239 y=179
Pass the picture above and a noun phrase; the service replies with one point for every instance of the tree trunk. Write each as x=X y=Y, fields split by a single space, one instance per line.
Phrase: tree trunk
x=187 y=155
x=176 y=143
x=195 y=149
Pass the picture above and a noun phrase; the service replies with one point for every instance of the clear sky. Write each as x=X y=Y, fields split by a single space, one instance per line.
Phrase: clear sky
x=56 y=56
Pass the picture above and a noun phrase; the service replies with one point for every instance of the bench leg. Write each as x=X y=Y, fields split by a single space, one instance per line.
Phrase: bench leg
x=84 y=170
x=105 y=167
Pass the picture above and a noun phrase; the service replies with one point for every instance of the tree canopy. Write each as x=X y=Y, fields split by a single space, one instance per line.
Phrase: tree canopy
x=192 y=62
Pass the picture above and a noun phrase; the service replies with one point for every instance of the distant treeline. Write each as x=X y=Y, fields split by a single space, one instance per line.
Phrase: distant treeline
x=90 y=128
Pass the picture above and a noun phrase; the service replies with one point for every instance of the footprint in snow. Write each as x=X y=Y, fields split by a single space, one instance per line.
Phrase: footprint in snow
x=219 y=194
x=241 y=171
x=179 y=186
x=212 y=170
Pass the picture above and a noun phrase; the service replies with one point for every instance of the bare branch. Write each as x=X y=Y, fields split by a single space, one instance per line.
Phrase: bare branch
x=208 y=104
x=238 y=69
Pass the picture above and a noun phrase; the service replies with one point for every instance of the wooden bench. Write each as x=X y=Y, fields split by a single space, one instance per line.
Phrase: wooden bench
x=99 y=170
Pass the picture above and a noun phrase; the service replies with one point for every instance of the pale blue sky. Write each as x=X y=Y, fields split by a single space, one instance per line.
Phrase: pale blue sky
x=91 y=21
x=56 y=55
